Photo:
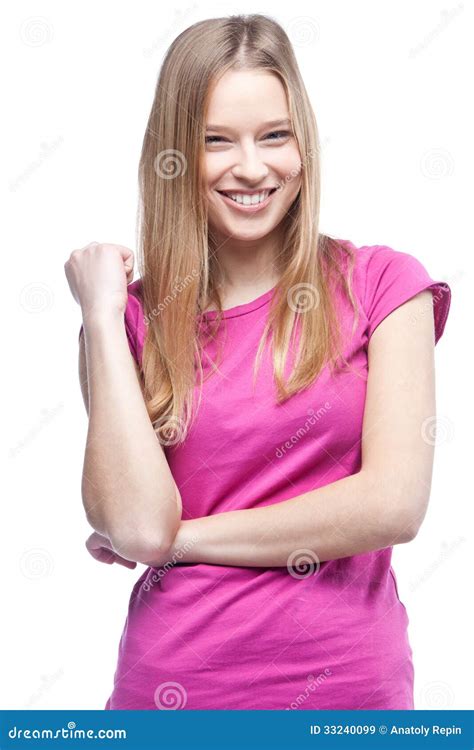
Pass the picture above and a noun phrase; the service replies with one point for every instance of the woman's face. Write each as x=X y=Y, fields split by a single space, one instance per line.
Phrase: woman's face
x=249 y=148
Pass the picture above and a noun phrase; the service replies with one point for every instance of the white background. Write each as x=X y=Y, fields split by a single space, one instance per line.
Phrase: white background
x=390 y=88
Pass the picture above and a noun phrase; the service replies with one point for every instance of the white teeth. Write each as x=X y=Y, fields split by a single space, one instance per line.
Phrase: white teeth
x=249 y=200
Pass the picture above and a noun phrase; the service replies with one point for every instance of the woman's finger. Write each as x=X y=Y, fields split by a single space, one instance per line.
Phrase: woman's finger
x=106 y=555
x=126 y=563
x=96 y=547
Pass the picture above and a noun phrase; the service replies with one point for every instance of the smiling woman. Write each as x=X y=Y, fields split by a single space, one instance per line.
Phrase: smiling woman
x=279 y=567
x=247 y=169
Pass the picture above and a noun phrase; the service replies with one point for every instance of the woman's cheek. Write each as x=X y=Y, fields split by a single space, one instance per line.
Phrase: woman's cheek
x=291 y=168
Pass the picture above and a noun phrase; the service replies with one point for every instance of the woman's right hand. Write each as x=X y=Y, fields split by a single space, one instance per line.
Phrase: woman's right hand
x=100 y=548
x=98 y=275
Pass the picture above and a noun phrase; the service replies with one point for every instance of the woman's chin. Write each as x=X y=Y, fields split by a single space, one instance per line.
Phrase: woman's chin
x=249 y=235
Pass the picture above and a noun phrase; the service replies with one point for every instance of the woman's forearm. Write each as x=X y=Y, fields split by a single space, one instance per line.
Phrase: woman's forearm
x=351 y=516
x=128 y=490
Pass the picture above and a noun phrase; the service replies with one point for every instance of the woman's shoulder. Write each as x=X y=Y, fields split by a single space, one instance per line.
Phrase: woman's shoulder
x=373 y=263
x=365 y=257
x=385 y=278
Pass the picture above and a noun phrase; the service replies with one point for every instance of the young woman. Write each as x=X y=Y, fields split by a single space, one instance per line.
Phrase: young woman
x=260 y=403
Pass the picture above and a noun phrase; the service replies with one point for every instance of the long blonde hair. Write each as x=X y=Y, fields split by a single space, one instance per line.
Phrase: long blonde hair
x=176 y=251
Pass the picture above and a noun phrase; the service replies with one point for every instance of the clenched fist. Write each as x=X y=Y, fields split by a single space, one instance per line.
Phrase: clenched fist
x=98 y=275
x=100 y=548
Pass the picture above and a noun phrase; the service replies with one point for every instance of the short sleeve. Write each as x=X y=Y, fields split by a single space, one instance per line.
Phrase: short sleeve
x=134 y=321
x=394 y=277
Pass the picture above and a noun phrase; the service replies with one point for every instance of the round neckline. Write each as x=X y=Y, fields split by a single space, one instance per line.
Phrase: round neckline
x=246 y=307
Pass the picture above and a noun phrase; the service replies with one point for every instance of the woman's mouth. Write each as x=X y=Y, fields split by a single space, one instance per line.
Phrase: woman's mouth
x=246 y=203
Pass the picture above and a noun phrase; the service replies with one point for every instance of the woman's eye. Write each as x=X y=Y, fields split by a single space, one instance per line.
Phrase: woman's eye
x=210 y=137
x=278 y=133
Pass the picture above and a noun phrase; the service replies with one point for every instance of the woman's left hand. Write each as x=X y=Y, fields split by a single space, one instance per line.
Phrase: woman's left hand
x=100 y=548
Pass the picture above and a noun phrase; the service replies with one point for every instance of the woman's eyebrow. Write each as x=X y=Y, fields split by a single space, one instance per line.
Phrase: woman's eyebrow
x=270 y=124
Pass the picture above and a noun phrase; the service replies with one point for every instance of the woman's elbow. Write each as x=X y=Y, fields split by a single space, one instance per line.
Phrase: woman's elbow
x=143 y=546
x=404 y=526
x=147 y=543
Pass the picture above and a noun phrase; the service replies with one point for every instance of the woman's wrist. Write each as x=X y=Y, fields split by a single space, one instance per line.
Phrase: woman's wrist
x=102 y=319
x=184 y=543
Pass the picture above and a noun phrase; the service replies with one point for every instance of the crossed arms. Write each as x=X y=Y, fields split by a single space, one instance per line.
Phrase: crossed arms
x=383 y=504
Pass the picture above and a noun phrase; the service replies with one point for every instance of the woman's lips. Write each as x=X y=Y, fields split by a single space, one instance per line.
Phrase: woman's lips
x=247 y=209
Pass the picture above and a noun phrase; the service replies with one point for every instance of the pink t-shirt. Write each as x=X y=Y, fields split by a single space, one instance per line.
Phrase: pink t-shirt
x=201 y=636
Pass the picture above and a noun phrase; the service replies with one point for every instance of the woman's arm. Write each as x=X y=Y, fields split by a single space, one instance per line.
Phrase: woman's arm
x=383 y=504
x=341 y=519
x=128 y=491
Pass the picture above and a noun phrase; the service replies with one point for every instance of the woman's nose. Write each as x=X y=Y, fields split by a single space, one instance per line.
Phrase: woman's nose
x=250 y=166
